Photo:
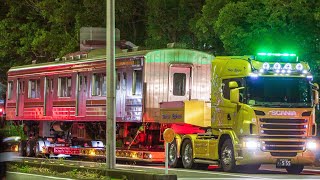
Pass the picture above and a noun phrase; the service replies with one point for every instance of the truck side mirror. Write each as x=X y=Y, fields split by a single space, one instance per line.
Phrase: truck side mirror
x=234 y=91
x=315 y=88
x=234 y=95
x=316 y=97
x=233 y=84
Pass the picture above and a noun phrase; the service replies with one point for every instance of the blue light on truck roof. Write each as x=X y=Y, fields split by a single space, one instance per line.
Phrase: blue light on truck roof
x=276 y=54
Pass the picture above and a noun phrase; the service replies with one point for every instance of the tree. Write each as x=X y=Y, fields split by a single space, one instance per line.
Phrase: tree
x=203 y=26
x=131 y=20
x=168 y=21
x=278 y=26
x=38 y=31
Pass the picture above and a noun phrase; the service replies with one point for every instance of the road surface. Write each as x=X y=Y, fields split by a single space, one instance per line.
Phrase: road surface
x=265 y=172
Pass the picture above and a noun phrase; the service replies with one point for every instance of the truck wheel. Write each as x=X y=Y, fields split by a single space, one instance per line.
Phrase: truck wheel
x=30 y=148
x=295 y=169
x=22 y=148
x=187 y=155
x=227 y=160
x=173 y=159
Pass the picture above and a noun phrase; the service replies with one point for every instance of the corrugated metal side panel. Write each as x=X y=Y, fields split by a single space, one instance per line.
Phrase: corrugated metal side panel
x=201 y=86
x=156 y=74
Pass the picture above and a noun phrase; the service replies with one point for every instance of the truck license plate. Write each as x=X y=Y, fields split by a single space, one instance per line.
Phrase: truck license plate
x=283 y=163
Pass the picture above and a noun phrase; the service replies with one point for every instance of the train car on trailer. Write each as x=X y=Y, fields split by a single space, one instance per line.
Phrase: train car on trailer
x=62 y=104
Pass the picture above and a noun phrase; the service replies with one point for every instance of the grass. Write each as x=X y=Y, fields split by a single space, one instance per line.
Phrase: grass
x=74 y=174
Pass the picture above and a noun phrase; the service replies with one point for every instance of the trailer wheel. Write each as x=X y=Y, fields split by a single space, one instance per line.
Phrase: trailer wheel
x=227 y=160
x=173 y=159
x=295 y=169
x=22 y=148
x=37 y=150
x=187 y=155
x=30 y=148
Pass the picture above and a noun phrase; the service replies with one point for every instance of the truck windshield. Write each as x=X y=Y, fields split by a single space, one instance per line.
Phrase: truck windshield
x=279 y=92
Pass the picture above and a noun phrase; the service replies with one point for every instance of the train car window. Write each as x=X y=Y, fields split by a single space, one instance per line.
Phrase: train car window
x=99 y=84
x=34 y=88
x=64 y=87
x=179 y=84
x=118 y=81
x=136 y=82
x=49 y=85
x=104 y=86
x=10 y=89
x=21 y=86
x=83 y=82
x=124 y=81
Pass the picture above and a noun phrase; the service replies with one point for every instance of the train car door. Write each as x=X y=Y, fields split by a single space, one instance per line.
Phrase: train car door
x=48 y=98
x=82 y=82
x=20 y=97
x=179 y=83
x=121 y=92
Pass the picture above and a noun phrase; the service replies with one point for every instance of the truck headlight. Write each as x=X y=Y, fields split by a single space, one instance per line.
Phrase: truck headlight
x=311 y=145
x=251 y=144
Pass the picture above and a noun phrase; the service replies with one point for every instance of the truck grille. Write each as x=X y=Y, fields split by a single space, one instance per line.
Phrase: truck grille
x=283 y=127
x=273 y=130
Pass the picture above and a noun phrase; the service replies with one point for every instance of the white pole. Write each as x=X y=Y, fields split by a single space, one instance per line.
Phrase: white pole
x=110 y=69
x=166 y=163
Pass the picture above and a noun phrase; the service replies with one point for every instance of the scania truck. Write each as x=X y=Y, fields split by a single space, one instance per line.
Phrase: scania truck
x=261 y=111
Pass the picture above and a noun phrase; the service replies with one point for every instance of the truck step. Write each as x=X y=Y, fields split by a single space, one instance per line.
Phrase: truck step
x=205 y=161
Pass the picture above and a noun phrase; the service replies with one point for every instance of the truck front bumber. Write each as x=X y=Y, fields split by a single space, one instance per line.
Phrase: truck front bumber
x=245 y=155
x=279 y=133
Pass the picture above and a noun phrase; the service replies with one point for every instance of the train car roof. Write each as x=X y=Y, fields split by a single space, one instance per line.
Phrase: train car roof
x=99 y=55
x=93 y=56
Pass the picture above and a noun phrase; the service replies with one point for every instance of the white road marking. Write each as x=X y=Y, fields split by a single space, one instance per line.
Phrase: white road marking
x=213 y=178
x=317 y=170
x=50 y=177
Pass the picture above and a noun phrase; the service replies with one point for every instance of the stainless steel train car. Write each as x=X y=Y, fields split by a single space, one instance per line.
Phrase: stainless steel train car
x=62 y=104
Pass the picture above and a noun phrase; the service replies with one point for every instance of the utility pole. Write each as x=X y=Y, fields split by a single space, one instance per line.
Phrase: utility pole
x=110 y=69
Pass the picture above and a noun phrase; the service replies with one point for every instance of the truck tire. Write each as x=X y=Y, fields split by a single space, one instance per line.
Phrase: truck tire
x=227 y=159
x=30 y=148
x=174 y=161
x=22 y=148
x=295 y=169
x=187 y=155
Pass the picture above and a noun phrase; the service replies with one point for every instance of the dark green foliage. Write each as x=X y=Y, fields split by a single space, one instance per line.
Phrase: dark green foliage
x=13 y=130
x=170 y=21
x=131 y=19
x=43 y=30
